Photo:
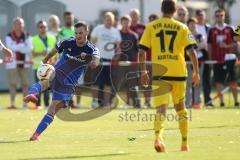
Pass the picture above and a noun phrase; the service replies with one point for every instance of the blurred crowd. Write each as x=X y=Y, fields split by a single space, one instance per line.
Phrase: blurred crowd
x=118 y=41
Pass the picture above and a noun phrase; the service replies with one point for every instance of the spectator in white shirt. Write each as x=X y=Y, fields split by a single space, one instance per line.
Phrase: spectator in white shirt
x=107 y=39
x=54 y=25
x=19 y=68
x=203 y=29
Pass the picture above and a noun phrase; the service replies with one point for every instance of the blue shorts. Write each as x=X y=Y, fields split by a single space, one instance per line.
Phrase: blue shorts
x=59 y=96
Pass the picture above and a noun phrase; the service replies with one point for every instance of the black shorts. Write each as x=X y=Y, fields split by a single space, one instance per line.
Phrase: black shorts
x=129 y=75
x=226 y=71
x=104 y=77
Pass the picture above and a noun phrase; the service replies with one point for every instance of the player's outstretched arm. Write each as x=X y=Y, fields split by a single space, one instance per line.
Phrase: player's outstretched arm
x=194 y=60
x=143 y=70
x=7 y=52
x=52 y=53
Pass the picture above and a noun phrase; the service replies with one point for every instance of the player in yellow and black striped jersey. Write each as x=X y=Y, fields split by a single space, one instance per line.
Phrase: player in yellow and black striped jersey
x=7 y=52
x=168 y=39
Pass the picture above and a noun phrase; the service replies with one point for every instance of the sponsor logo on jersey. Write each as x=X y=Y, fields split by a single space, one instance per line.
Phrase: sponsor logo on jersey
x=80 y=59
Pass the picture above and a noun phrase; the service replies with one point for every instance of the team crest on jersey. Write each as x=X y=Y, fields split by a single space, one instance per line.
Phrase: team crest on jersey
x=83 y=55
x=238 y=27
x=80 y=59
x=191 y=37
x=238 y=30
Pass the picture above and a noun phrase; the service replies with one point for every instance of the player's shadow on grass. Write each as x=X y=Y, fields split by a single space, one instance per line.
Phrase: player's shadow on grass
x=13 y=142
x=79 y=157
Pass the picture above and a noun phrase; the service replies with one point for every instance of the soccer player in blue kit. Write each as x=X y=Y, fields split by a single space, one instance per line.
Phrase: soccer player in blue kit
x=77 y=53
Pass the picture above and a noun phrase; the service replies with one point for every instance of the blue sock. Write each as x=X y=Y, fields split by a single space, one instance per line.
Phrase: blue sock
x=46 y=121
x=35 y=89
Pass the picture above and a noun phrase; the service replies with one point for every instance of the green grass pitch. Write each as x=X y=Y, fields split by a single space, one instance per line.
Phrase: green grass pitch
x=214 y=135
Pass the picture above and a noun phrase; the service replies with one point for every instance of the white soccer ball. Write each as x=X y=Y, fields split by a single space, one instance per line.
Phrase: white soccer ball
x=45 y=72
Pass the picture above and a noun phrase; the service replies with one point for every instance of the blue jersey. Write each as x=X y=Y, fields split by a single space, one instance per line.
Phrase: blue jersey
x=71 y=65
x=74 y=59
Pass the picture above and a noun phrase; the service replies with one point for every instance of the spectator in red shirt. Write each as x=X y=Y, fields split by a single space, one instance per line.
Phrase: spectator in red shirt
x=139 y=28
x=221 y=49
x=17 y=69
x=129 y=52
x=136 y=25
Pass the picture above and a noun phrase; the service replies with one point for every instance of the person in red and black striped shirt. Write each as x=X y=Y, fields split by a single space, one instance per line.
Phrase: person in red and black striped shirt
x=221 y=48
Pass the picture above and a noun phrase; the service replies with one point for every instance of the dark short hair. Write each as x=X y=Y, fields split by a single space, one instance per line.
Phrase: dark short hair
x=67 y=13
x=190 y=20
x=199 y=11
x=41 y=22
x=81 y=24
x=153 y=16
x=219 y=11
x=168 y=6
